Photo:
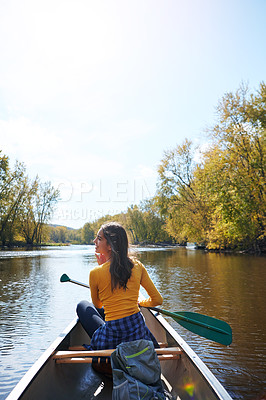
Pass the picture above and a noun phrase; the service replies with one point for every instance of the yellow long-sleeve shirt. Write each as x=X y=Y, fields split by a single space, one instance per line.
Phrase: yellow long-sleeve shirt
x=121 y=303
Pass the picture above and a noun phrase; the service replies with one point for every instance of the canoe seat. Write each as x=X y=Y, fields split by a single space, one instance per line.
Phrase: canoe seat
x=102 y=356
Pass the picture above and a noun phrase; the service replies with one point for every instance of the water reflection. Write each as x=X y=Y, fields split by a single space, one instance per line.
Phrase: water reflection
x=35 y=306
x=228 y=287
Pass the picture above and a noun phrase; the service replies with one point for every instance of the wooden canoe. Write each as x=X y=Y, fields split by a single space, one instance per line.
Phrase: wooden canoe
x=186 y=377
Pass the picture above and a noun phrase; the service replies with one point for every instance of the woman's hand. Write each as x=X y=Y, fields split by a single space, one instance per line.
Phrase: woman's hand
x=101 y=259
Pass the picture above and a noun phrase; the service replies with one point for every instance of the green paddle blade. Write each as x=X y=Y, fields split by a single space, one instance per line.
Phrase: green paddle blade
x=203 y=325
x=64 y=278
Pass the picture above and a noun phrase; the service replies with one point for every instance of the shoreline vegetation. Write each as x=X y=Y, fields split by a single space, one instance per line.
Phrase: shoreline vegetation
x=24 y=246
x=213 y=195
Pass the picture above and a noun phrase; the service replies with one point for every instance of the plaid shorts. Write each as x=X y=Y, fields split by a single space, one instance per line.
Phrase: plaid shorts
x=126 y=329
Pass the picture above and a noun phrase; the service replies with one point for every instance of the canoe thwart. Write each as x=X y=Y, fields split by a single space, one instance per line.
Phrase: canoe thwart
x=101 y=356
x=98 y=360
x=107 y=353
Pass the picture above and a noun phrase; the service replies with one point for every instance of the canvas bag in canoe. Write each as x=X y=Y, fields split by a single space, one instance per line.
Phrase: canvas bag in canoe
x=136 y=372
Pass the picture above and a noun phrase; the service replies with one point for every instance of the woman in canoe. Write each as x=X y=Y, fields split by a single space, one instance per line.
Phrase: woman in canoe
x=115 y=317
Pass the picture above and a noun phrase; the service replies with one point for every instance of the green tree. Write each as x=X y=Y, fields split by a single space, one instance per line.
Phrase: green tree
x=136 y=225
x=236 y=170
x=58 y=234
x=179 y=198
x=74 y=236
x=12 y=191
x=221 y=199
x=25 y=207
x=144 y=223
x=37 y=208
x=87 y=233
x=154 y=221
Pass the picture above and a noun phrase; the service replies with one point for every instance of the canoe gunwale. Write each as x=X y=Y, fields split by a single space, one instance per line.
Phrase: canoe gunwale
x=213 y=382
x=25 y=381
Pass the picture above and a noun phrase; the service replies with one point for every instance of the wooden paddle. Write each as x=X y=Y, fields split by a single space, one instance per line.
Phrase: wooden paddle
x=208 y=327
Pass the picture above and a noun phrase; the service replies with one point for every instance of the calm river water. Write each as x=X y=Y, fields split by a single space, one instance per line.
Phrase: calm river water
x=35 y=307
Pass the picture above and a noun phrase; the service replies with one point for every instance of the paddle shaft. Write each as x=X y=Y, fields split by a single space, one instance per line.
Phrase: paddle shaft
x=79 y=283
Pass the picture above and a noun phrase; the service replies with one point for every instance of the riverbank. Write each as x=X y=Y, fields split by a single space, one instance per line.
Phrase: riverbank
x=145 y=244
x=201 y=247
x=25 y=246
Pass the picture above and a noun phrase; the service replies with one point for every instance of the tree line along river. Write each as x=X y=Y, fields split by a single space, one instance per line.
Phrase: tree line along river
x=35 y=307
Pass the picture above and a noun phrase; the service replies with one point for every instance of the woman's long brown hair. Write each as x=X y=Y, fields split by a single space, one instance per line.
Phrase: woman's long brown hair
x=120 y=264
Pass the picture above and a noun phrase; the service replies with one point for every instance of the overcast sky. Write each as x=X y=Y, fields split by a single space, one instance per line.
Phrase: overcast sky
x=93 y=92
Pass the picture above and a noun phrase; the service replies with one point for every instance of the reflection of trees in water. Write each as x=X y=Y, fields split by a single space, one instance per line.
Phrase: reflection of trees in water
x=214 y=284
x=164 y=268
x=24 y=293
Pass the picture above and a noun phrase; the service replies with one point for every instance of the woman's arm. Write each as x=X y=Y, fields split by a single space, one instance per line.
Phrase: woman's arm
x=155 y=298
x=94 y=289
